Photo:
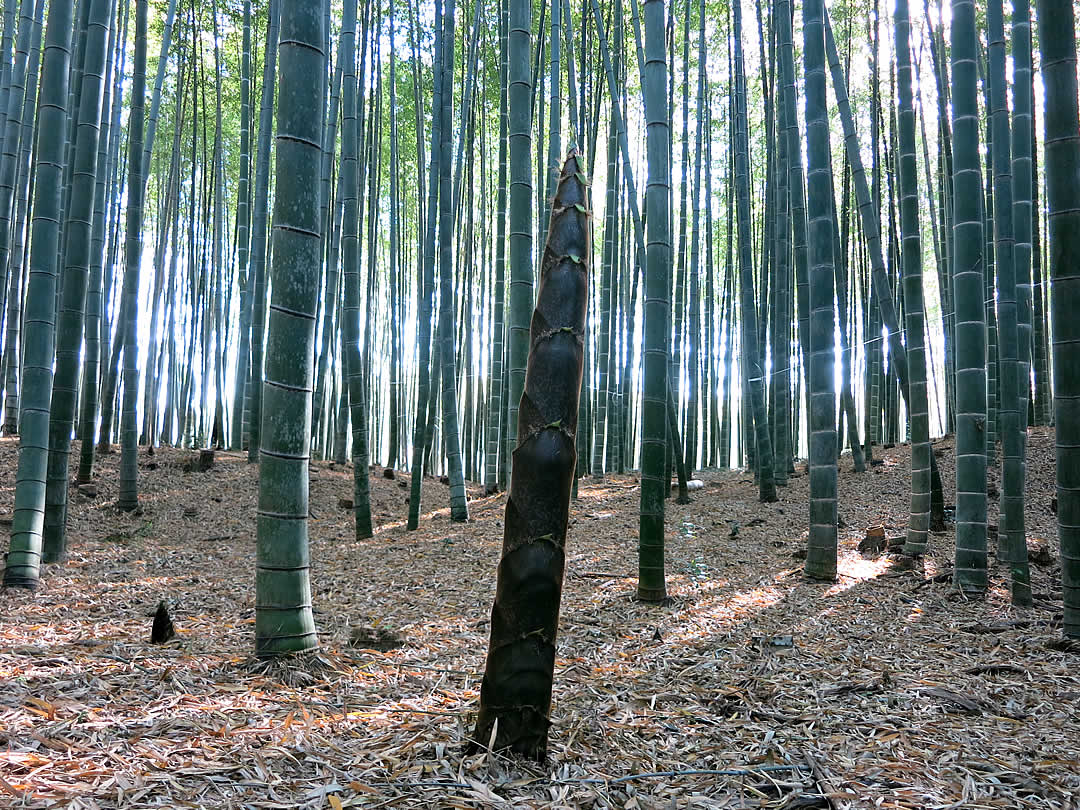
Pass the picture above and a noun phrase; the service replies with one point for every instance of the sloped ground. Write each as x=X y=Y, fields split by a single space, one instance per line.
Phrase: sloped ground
x=891 y=691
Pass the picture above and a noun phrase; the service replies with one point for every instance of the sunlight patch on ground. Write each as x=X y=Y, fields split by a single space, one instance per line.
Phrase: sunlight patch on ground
x=605 y=491
x=742 y=604
x=721 y=612
x=854 y=568
x=383 y=528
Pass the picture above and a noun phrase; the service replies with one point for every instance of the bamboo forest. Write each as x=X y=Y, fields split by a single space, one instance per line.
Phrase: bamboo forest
x=540 y=404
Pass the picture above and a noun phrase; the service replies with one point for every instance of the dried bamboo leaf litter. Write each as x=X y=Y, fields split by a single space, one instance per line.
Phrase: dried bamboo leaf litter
x=892 y=691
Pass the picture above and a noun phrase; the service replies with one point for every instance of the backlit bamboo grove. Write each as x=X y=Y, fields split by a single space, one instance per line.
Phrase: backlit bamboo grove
x=305 y=230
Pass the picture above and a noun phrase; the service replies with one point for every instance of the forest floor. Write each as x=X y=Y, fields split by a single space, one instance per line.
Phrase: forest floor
x=755 y=687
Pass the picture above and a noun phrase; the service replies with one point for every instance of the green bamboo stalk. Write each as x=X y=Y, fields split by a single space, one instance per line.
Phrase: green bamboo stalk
x=782 y=300
x=693 y=361
x=970 y=572
x=459 y=510
x=109 y=348
x=427 y=369
x=76 y=271
x=993 y=427
x=395 y=405
x=5 y=67
x=23 y=563
x=496 y=408
x=1061 y=136
x=603 y=346
x=884 y=313
x=253 y=403
x=283 y=618
x=821 y=550
x=654 y=482
x=94 y=313
x=1013 y=537
x=128 y=498
x=159 y=82
x=350 y=324
x=1039 y=305
x=519 y=90
x=752 y=366
x=16 y=92
x=917 y=402
x=1022 y=164
x=796 y=177
x=17 y=257
x=243 y=238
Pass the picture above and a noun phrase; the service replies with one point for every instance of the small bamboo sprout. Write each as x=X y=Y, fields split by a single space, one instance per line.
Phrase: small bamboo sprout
x=163 y=628
x=515 y=698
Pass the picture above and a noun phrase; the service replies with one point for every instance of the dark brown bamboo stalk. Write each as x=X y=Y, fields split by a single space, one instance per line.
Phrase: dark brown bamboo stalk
x=515 y=697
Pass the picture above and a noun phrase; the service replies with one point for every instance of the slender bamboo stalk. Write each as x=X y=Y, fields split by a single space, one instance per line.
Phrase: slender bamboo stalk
x=459 y=509
x=350 y=323
x=427 y=368
x=970 y=576
x=128 y=498
x=654 y=483
x=821 y=549
x=519 y=91
x=752 y=366
x=253 y=403
x=918 y=407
